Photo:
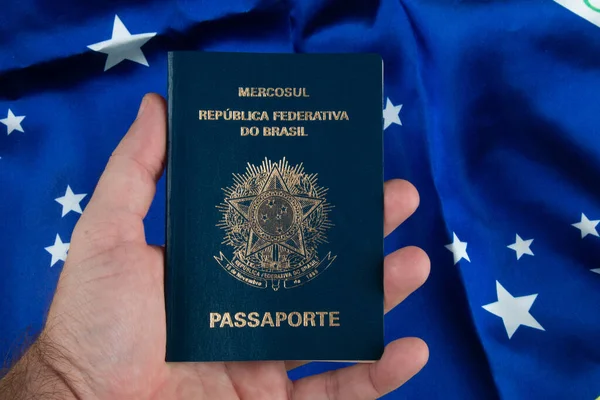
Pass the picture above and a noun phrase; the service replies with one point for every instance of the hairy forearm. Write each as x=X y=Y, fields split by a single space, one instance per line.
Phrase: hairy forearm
x=35 y=376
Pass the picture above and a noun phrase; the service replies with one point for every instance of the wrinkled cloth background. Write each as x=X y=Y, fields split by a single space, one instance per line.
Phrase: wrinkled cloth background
x=500 y=134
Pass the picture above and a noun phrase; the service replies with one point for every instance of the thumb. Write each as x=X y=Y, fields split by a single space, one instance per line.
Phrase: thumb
x=127 y=186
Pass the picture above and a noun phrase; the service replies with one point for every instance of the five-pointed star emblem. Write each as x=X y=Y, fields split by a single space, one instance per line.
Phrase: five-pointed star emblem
x=514 y=311
x=459 y=249
x=123 y=45
x=13 y=122
x=521 y=247
x=586 y=226
x=275 y=183
x=596 y=270
x=70 y=201
x=391 y=114
x=58 y=250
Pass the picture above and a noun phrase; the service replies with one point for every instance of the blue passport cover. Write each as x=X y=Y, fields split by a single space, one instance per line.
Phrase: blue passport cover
x=274 y=246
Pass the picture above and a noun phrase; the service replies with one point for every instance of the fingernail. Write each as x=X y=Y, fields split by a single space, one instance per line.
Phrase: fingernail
x=142 y=106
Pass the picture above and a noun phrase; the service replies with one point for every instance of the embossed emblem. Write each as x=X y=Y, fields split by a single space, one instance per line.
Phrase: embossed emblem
x=274 y=217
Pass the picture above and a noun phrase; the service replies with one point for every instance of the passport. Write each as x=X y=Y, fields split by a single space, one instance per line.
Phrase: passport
x=274 y=231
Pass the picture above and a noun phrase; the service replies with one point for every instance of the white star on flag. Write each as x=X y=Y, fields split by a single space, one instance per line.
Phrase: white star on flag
x=70 y=201
x=459 y=249
x=597 y=270
x=586 y=226
x=123 y=45
x=521 y=247
x=58 y=250
x=514 y=311
x=13 y=122
x=391 y=114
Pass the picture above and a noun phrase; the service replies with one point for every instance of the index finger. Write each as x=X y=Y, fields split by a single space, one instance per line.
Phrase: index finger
x=401 y=199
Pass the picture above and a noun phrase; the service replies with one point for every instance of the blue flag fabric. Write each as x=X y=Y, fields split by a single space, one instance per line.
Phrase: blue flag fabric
x=491 y=110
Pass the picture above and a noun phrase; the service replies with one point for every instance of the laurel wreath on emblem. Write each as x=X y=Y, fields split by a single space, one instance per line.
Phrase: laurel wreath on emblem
x=274 y=218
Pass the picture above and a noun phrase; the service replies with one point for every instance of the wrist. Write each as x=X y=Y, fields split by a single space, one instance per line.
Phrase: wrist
x=39 y=374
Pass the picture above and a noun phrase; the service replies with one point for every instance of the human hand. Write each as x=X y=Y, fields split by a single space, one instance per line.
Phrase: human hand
x=105 y=333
